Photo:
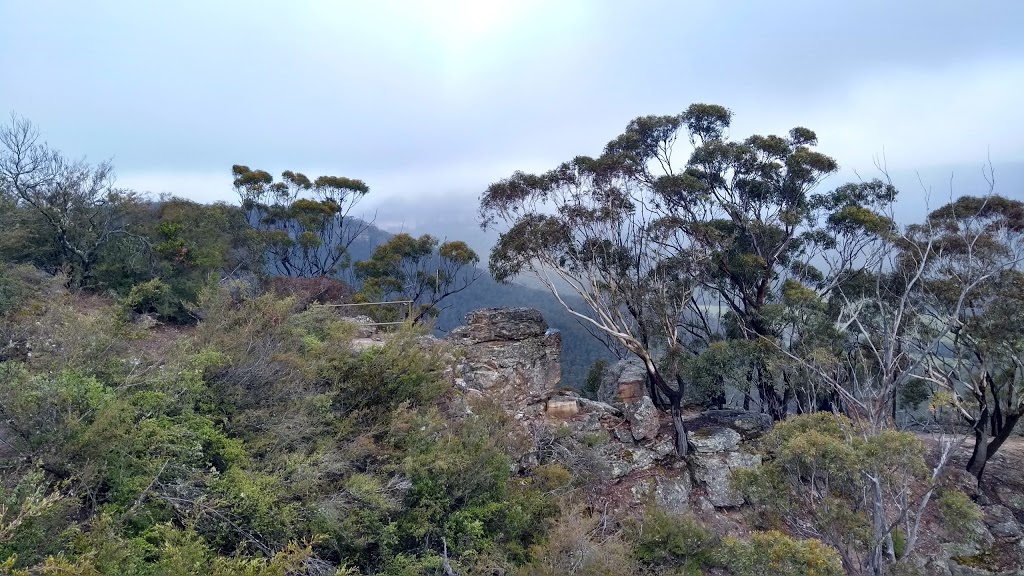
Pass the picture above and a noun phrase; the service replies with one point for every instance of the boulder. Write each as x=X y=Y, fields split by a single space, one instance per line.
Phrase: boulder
x=749 y=425
x=623 y=382
x=713 y=472
x=561 y=407
x=1002 y=523
x=671 y=491
x=594 y=407
x=1010 y=498
x=365 y=326
x=977 y=543
x=616 y=460
x=509 y=355
x=643 y=418
x=711 y=440
x=662 y=447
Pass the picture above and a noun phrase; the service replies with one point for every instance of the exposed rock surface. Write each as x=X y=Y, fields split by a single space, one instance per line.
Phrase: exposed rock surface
x=623 y=382
x=562 y=407
x=749 y=425
x=509 y=354
x=500 y=324
x=669 y=491
x=713 y=472
x=1002 y=524
x=643 y=418
x=709 y=440
x=624 y=446
x=622 y=439
x=365 y=326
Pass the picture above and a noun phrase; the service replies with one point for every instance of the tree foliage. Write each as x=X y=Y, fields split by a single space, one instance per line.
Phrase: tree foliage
x=419 y=270
x=306 y=224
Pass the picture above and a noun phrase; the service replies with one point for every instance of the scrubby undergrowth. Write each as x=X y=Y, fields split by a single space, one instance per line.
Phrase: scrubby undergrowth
x=260 y=442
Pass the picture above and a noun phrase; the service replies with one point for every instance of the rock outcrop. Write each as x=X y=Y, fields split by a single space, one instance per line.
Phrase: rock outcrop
x=623 y=382
x=622 y=440
x=749 y=425
x=510 y=355
x=622 y=445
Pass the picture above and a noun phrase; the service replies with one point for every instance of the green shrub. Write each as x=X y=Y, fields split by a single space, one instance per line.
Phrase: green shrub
x=780 y=555
x=676 y=544
x=960 y=515
x=151 y=297
x=576 y=544
x=595 y=374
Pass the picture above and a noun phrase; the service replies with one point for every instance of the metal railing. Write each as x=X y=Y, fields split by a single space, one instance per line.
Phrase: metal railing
x=408 y=311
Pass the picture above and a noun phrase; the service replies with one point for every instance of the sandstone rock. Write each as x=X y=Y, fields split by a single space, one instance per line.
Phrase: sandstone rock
x=593 y=406
x=936 y=567
x=616 y=460
x=1010 y=498
x=1002 y=524
x=561 y=407
x=749 y=425
x=360 y=344
x=713 y=472
x=663 y=448
x=671 y=491
x=365 y=327
x=711 y=440
x=623 y=434
x=590 y=423
x=988 y=564
x=979 y=541
x=146 y=321
x=509 y=355
x=643 y=418
x=672 y=494
x=500 y=324
x=623 y=382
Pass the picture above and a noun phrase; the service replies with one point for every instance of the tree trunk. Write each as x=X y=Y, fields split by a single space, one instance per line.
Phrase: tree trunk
x=876 y=559
x=979 y=456
x=682 y=443
x=986 y=446
x=675 y=400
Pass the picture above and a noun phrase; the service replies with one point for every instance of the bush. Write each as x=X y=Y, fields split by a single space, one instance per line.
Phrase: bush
x=151 y=297
x=778 y=554
x=960 y=515
x=663 y=543
x=576 y=545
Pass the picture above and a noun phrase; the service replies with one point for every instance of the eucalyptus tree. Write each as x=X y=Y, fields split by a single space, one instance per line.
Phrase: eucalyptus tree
x=648 y=242
x=307 y=224
x=423 y=270
x=978 y=283
x=748 y=204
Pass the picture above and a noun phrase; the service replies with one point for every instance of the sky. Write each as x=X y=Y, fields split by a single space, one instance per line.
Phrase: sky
x=429 y=102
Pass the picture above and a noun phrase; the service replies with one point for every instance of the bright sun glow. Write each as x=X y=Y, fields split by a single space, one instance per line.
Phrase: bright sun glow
x=466 y=31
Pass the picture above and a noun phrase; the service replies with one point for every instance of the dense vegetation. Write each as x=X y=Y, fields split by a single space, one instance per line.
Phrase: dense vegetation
x=260 y=442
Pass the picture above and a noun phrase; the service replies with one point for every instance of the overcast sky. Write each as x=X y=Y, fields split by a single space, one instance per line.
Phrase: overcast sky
x=429 y=102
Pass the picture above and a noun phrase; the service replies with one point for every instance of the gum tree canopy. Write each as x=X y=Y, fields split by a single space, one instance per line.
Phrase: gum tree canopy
x=306 y=223
x=671 y=257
